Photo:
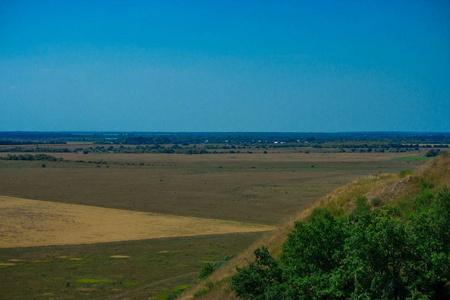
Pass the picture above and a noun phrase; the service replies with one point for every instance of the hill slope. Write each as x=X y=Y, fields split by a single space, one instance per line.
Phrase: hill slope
x=395 y=190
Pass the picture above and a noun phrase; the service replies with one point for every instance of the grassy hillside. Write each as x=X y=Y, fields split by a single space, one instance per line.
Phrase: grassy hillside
x=397 y=191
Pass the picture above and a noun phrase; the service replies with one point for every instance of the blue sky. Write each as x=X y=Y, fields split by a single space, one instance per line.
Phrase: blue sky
x=225 y=65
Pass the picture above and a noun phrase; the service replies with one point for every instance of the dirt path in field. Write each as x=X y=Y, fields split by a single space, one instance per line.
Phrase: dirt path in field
x=148 y=286
x=27 y=223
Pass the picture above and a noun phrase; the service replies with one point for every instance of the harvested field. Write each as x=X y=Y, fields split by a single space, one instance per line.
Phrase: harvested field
x=237 y=158
x=240 y=187
x=27 y=223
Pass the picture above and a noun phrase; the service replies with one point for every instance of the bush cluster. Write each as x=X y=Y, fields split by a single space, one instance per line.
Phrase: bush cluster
x=366 y=255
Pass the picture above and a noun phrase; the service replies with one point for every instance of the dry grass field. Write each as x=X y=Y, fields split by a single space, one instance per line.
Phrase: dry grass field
x=28 y=223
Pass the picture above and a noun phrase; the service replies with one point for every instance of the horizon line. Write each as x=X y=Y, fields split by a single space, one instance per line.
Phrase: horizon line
x=220 y=132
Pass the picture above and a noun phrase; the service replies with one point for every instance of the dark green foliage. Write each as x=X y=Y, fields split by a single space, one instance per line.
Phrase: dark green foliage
x=362 y=206
x=429 y=234
x=31 y=157
x=375 y=256
x=433 y=152
x=311 y=253
x=376 y=202
x=423 y=200
x=206 y=270
x=254 y=281
x=209 y=285
x=367 y=255
x=426 y=184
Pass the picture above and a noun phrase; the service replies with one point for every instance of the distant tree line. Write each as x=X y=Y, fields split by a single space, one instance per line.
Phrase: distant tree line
x=222 y=142
x=43 y=157
x=35 y=149
x=394 y=139
x=25 y=142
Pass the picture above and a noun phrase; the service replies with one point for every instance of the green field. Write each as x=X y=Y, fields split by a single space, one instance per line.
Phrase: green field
x=411 y=158
x=89 y=271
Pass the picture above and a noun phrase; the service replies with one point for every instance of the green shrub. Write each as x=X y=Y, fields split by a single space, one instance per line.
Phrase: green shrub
x=404 y=173
x=206 y=270
x=423 y=199
x=200 y=293
x=367 y=255
x=209 y=286
x=426 y=184
x=362 y=205
x=173 y=294
x=376 y=202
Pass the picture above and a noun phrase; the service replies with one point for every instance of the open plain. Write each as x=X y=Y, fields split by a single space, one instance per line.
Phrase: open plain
x=261 y=188
x=146 y=218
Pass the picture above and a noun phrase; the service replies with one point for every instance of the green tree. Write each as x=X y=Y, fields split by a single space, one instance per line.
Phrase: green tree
x=367 y=255
x=251 y=282
x=311 y=254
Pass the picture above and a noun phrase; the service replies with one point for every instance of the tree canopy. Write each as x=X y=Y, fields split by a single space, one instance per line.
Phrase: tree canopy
x=378 y=254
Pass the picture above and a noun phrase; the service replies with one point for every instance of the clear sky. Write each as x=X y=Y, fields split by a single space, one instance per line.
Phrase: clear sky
x=225 y=65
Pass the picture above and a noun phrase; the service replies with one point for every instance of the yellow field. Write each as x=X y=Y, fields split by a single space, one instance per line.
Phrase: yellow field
x=27 y=223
